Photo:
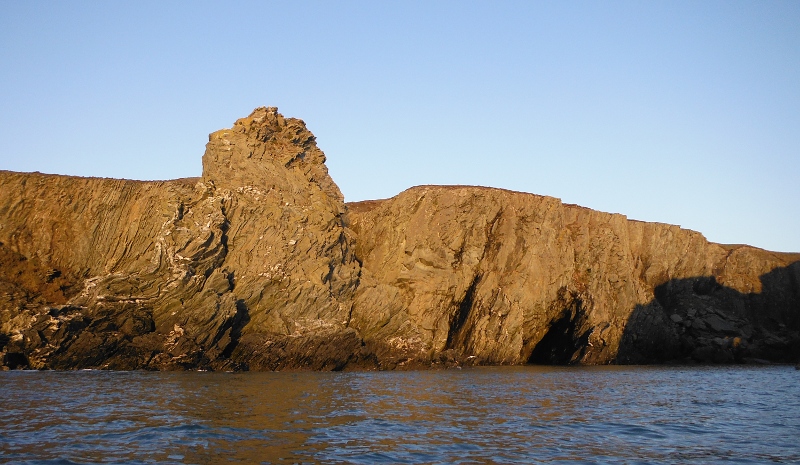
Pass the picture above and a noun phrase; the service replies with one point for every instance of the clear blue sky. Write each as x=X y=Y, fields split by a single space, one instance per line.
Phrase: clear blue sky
x=684 y=112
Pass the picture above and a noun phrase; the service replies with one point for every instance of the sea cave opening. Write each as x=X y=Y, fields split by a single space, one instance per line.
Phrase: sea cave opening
x=562 y=344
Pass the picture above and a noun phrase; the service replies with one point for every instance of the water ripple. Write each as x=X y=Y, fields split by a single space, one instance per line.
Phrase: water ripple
x=487 y=415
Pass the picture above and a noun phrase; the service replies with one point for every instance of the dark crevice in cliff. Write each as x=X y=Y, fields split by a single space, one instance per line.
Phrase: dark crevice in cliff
x=11 y=360
x=235 y=325
x=15 y=360
x=356 y=285
x=224 y=227
x=459 y=318
x=231 y=277
x=491 y=232
x=564 y=343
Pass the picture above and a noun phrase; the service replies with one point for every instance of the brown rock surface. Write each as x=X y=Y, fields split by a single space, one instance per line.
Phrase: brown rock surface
x=492 y=276
x=172 y=274
x=260 y=265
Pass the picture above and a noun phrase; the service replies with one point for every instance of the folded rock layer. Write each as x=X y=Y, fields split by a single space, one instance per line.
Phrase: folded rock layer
x=260 y=265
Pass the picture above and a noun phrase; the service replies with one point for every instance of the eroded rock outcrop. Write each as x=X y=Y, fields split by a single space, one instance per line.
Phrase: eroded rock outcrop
x=197 y=273
x=261 y=265
x=491 y=276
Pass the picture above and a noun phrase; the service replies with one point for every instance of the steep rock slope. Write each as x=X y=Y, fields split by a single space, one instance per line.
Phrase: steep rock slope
x=248 y=267
x=476 y=275
x=260 y=265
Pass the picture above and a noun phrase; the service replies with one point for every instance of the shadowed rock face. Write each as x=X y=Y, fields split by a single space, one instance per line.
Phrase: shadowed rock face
x=260 y=265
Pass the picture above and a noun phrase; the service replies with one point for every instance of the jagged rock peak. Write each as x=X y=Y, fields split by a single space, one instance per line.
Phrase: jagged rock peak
x=259 y=150
x=263 y=123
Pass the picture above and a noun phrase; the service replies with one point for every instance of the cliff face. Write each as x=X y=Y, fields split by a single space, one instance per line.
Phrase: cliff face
x=249 y=266
x=477 y=275
x=260 y=265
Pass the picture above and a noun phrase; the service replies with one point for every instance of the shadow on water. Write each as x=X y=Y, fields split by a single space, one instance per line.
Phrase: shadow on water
x=699 y=320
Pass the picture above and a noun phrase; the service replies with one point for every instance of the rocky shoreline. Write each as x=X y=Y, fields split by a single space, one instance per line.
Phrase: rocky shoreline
x=261 y=265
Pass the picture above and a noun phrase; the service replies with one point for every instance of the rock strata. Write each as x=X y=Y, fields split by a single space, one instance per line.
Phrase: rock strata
x=260 y=265
x=498 y=277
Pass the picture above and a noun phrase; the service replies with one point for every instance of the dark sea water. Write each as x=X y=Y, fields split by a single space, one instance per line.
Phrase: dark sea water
x=482 y=415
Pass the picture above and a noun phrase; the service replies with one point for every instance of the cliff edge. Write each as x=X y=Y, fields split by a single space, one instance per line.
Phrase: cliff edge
x=260 y=265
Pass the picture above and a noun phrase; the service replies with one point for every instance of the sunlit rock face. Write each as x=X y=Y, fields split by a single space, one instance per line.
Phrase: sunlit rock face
x=484 y=275
x=259 y=264
x=248 y=267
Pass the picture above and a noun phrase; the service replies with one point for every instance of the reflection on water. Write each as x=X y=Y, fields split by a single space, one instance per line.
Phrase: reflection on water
x=484 y=415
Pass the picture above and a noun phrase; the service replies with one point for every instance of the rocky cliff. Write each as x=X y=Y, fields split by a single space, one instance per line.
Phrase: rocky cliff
x=261 y=265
